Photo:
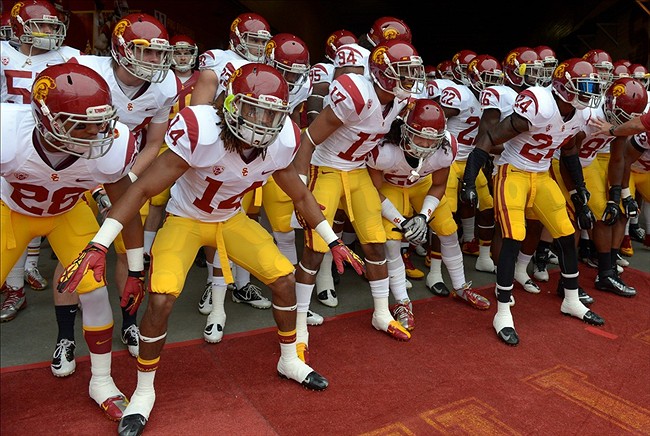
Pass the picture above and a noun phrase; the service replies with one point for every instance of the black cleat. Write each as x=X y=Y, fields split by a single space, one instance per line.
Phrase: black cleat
x=313 y=381
x=336 y=277
x=509 y=336
x=585 y=298
x=590 y=318
x=439 y=289
x=131 y=425
x=615 y=285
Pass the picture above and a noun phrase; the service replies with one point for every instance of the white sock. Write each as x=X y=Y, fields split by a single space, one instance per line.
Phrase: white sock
x=148 y=240
x=324 y=278
x=144 y=396
x=468 y=228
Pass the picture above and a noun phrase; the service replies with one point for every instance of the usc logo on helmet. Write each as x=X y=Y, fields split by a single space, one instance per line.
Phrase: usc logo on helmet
x=121 y=27
x=390 y=33
x=378 y=56
x=16 y=9
x=235 y=24
x=618 y=90
x=559 y=71
x=234 y=75
x=42 y=87
x=270 y=48
x=472 y=65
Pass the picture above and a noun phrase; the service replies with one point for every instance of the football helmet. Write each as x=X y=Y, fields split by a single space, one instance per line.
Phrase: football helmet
x=625 y=99
x=640 y=73
x=289 y=55
x=621 y=69
x=423 y=131
x=430 y=72
x=577 y=82
x=71 y=97
x=141 y=45
x=63 y=11
x=337 y=39
x=603 y=63
x=547 y=55
x=184 y=52
x=446 y=70
x=523 y=67
x=36 y=22
x=249 y=33
x=6 y=34
x=483 y=71
x=397 y=68
x=460 y=62
x=388 y=28
x=257 y=104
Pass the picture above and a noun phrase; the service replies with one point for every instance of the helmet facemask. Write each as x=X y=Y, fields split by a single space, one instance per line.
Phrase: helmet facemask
x=147 y=60
x=406 y=77
x=47 y=33
x=586 y=91
x=56 y=129
x=255 y=121
x=251 y=44
x=183 y=57
x=421 y=144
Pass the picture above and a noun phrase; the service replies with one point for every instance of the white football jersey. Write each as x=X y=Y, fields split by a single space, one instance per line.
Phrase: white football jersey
x=18 y=71
x=641 y=142
x=391 y=160
x=32 y=185
x=153 y=104
x=212 y=189
x=216 y=61
x=463 y=126
x=434 y=87
x=354 y=101
x=533 y=150
x=593 y=143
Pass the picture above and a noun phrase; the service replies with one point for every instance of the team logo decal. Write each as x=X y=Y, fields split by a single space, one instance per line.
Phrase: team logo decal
x=270 y=48
x=390 y=33
x=120 y=27
x=234 y=24
x=16 y=9
x=379 y=54
x=618 y=90
x=42 y=87
x=559 y=71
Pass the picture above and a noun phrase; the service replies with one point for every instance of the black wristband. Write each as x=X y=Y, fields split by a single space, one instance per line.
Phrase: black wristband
x=137 y=274
x=615 y=193
x=334 y=243
x=475 y=161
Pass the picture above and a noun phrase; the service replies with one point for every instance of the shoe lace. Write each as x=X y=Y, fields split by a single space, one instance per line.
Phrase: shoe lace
x=64 y=346
x=131 y=332
x=253 y=292
x=35 y=274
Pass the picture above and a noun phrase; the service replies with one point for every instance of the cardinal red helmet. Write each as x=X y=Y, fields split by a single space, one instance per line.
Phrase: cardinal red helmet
x=397 y=68
x=621 y=69
x=249 y=33
x=184 y=52
x=446 y=70
x=576 y=81
x=640 y=73
x=603 y=63
x=36 y=22
x=483 y=71
x=68 y=97
x=337 y=39
x=289 y=55
x=523 y=67
x=388 y=28
x=424 y=129
x=6 y=34
x=460 y=61
x=624 y=99
x=547 y=55
x=140 y=44
x=257 y=104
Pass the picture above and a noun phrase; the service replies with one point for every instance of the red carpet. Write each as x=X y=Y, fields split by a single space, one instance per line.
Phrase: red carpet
x=454 y=376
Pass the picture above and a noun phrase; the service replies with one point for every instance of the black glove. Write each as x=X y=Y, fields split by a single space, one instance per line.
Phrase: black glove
x=468 y=194
x=612 y=211
x=631 y=207
x=584 y=216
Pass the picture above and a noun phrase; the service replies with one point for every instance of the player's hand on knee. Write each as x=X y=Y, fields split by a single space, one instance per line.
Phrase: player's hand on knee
x=93 y=258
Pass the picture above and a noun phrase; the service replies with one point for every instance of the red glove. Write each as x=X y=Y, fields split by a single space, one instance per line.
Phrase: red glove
x=133 y=292
x=341 y=253
x=93 y=257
